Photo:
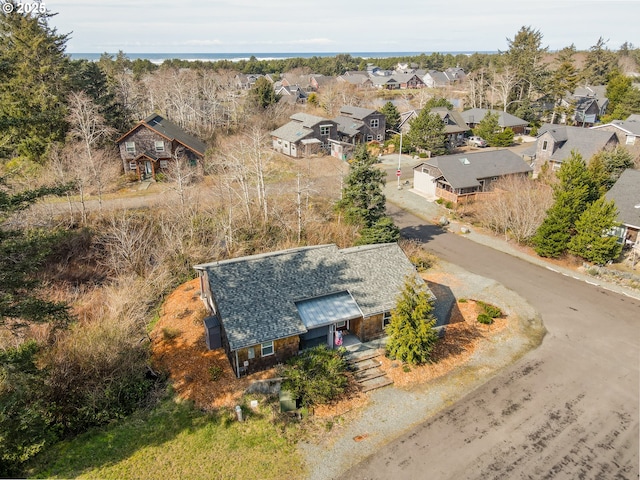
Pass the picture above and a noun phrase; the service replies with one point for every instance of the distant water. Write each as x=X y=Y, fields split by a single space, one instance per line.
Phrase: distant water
x=234 y=57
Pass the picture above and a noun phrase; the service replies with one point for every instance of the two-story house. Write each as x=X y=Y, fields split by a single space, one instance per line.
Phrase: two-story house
x=304 y=135
x=154 y=143
x=359 y=125
x=555 y=143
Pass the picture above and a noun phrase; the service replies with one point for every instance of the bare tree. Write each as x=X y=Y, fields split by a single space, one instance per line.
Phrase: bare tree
x=503 y=84
x=517 y=207
x=90 y=130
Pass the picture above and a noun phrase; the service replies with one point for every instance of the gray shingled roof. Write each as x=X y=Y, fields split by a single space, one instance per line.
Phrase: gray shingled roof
x=256 y=295
x=174 y=132
x=631 y=127
x=348 y=126
x=475 y=115
x=464 y=170
x=626 y=193
x=585 y=141
x=300 y=126
x=355 y=112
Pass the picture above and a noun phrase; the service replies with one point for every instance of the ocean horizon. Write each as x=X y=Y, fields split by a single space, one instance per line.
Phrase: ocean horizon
x=235 y=57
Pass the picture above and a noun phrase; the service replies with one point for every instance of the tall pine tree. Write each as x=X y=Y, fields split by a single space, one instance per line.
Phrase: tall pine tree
x=33 y=85
x=591 y=241
x=411 y=334
x=575 y=191
x=427 y=132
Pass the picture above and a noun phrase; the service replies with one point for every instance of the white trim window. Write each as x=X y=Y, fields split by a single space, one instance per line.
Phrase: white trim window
x=631 y=140
x=266 y=349
x=369 y=138
x=159 y=146
x=544 y=145
x=325 y=130
x=375 y=122
x=130 y=147
x=386 y=319
x=379 y=137
x=133 y=166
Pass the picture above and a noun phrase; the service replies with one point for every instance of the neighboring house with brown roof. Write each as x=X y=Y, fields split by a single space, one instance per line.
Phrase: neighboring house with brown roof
x=360 y=125
x=304 y=135
x=626 y=195
x=463 y=177
x=265 y=308
x=152 y=145
x=474 y=116
x=555 y=143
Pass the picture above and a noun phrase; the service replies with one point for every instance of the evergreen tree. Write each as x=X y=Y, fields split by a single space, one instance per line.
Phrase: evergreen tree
x=363 y=201
x=411 y=334
x=263 y=94
x=574 y=192
x=23 y=253
x=591 y=241
x=599 y=64
x=562 y=81
x=609 y=165
x=525 y=57
x=33 y=85
x=391 y=115
x=490 y=130
x=427 y=132
x=383 y=231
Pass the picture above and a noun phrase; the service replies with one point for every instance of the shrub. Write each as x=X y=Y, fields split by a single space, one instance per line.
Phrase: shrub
x=169 y=333
x=215 y=372
x=316 y=376
x=490 y=310
x=485 y=319
x=161 y=177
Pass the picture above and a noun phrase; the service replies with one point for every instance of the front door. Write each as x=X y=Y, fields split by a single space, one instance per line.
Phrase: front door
x=148 y=170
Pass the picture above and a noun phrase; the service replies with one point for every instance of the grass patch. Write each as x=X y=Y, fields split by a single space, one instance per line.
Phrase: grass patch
x=176 y=441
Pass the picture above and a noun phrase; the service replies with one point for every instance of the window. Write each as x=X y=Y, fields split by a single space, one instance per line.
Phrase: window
x=130 y=147
x=159 y=146
x=251 y=353
x=375 y=122
x=379 y=137
x=132 y=165
x=341 y=324
x=164 y=163
x=544 y=145
x=631 y=140
x=325 y=130
x=369 y=138
x=266 y=349
x=386 y=319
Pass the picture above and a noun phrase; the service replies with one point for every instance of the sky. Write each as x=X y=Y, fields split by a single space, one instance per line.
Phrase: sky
x=342 y=26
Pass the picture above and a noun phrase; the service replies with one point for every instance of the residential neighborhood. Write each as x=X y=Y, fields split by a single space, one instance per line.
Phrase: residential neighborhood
x=284 y=256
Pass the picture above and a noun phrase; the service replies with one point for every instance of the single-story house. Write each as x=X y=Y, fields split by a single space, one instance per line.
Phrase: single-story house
x=265 y=308
x=304 y=135
x=555 y=143
x=626 y=194
x=505 y=120
x=153 y=144
x=460 y=178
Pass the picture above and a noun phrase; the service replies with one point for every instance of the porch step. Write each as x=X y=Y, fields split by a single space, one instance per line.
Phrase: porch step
x=364 y=375
x=375 y=383
x=366 y=364
x=360 y=356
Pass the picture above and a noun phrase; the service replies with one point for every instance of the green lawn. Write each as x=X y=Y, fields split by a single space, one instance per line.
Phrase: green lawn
x=177 y=441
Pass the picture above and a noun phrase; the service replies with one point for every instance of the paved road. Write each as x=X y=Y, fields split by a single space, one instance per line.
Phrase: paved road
x=566 y=410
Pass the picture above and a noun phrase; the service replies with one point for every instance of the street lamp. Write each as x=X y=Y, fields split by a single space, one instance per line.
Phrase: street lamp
x=398 y=172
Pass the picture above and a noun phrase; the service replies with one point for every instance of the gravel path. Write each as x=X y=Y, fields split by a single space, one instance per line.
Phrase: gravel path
x=392 y=411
